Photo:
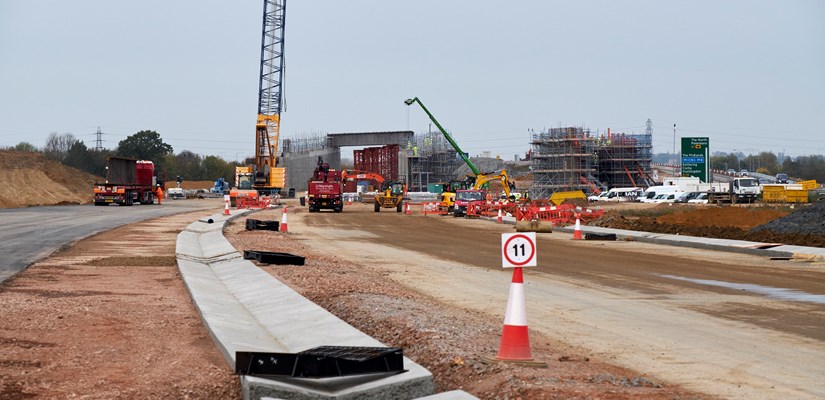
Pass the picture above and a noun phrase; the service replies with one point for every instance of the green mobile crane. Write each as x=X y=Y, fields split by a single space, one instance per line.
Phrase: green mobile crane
x=480 y=178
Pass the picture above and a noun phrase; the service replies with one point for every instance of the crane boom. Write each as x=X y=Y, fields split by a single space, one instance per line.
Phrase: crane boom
x=446 y=135
x=268 y=178
x=480 y=179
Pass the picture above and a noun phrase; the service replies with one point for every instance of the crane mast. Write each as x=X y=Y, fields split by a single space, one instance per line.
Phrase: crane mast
x=268 y=178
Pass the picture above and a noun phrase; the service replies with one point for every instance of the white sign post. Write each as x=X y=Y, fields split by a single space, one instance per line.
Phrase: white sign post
x=518 y=250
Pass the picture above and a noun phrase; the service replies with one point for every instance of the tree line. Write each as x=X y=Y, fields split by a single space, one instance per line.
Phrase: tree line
x=144 y=145
x=797 y=168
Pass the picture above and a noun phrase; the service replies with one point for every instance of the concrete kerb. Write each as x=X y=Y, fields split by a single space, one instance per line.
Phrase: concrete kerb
x=246 y=309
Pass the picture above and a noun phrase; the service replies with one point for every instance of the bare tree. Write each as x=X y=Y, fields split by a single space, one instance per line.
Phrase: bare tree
x=57 y=146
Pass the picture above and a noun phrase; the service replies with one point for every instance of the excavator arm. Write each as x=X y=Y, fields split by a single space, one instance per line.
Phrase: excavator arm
x=483 y=179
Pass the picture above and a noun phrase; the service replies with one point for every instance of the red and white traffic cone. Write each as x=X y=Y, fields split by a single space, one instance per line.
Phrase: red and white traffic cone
x=407 y=209
x=283 y=227
x=226 y=207
x=515 y=341
x=577 y=230
x=499 y=219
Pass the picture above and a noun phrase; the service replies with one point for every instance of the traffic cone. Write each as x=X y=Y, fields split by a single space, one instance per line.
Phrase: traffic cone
x=515 y=341
x=577 y=230
x=407 y=210
x=499 y=220
x=283 y=227
x=226 y=208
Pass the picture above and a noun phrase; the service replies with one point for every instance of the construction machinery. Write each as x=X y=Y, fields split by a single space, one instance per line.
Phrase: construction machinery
x=325 y=190
x=362 y=176
x=391 y=196
x=479 y=180
x=243 y=185
x=127 y=181
x=268 y=178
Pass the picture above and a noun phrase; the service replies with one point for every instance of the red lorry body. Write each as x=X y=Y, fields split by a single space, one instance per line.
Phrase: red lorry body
x=127 y=181
x=326 y=191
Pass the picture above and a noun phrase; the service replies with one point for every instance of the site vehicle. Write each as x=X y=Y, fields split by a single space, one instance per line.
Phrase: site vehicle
x=739 y=190
x=243 y=185
x=325 y=190
x=463 y=198
x=479 y=180
x=349 y=176
x=175 y=193
x=391 y=196
x=447 y=202
x=127 y=181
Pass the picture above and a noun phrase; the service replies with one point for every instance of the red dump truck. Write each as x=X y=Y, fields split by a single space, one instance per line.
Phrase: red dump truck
x=127 y=181
x=325 y=190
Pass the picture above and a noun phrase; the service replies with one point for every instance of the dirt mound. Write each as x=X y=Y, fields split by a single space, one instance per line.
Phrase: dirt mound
x=716 y=222
x=30 y=179
x=740 y=217
x=192 y=184
x=806 y=220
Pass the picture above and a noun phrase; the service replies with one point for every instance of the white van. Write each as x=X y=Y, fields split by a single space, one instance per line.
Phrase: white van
x=654 y=191
x=623 y=194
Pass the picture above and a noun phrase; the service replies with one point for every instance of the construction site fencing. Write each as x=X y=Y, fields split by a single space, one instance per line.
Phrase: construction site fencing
x=432 y=208
x=252 y=203
x=561 y=215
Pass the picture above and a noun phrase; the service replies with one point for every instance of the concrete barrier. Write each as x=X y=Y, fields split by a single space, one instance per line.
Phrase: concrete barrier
x=246 y=309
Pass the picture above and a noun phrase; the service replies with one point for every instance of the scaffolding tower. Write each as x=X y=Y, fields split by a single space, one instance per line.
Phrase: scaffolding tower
x=563 y=159
x=431 y=160
x=624 y=159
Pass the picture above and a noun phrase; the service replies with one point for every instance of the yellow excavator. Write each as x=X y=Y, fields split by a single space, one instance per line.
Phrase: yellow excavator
x=479 y=180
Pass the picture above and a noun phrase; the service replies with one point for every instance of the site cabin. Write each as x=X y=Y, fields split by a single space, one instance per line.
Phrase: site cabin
x=128 y=181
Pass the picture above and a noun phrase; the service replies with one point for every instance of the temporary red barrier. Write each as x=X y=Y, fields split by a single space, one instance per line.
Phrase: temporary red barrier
x=430 y=208
x=251 y=203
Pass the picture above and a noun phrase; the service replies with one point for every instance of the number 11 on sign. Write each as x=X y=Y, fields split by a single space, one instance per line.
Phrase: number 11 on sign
x=518 y=250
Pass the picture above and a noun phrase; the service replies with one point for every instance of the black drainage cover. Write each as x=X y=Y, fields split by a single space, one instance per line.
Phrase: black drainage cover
x=322 y=362
x=257 y=224
x=270 y=257
x=600 y=236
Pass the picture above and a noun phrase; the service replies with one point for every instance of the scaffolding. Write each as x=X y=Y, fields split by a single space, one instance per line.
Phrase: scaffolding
x=431 y=160
x=563 y=159
x=624 y=159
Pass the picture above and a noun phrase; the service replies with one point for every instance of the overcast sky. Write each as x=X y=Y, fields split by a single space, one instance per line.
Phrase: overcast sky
x=749 y=74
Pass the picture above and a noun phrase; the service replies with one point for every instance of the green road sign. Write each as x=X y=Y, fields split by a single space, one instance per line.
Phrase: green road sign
x=695 y=157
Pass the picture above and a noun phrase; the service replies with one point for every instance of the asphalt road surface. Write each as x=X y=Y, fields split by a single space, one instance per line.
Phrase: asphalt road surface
x=722 y=323
x=30 y=234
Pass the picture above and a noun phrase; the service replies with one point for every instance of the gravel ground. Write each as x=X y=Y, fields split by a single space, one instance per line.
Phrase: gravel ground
x=805 y=220
x=448 y=341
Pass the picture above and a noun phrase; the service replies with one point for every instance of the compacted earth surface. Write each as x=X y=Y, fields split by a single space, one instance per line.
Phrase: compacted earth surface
x=109 y=318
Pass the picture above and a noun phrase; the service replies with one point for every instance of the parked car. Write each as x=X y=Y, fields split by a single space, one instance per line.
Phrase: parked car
x=686 y=196
x=702 y=198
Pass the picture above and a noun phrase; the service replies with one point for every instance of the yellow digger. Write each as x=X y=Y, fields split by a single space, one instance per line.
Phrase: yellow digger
x=392 y=196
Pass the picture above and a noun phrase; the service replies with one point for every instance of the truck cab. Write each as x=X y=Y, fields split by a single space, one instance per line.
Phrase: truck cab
x=463 y=198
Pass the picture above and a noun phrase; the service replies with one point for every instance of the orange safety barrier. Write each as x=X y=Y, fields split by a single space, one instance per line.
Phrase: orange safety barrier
x=430 y=208
x=252 y=203
x=562 y=215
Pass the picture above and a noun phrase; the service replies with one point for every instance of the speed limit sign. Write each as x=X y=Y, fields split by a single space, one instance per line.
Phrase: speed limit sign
x=518 y=250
